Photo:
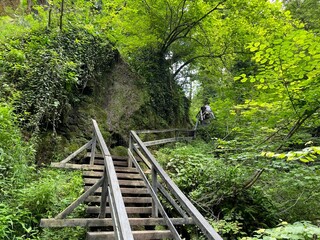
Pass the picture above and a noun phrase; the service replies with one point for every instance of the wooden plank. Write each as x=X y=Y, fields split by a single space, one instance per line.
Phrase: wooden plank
x=96 y=199
x=129 y=210
x=89 y=167
x=93 y=149
x=135 y=183
x=161 y=141
x=80 y=200
x=140 y=154
x=201 y=222
x=84 y=147
x=155 y=199
x=114 y=157
x=119 y=175
x=171 y=200
x=138 y=235
x=96 y=222
x=133 y=191
x=119 y=214
x=115 y=162
x=104 y=195
x=76 y=166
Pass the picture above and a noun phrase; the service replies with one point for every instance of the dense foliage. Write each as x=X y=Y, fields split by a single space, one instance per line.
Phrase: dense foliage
x=229 y=189
x=35 y=191
x=256 y=62
x=47 y=73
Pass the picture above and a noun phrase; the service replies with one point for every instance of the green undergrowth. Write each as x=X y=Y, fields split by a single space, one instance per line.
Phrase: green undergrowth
x=28 y=193
x=240 y=191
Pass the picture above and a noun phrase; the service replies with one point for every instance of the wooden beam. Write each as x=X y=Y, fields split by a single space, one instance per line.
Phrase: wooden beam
x=96 y=222
x=172 y=201
x=119 y=214
x=201 y=222
x=155 y=198
x=85 y=146
x=80 y=200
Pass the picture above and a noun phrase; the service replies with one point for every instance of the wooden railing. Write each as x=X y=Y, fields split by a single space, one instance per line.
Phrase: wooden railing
x=110 y=188
x=161 y=182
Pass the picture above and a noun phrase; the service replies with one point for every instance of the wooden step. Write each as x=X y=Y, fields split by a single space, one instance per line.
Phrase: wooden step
x=125 y=190
x=132 y=183
x=97 y=199
x=144 y=210
x=114 y=157
x=138 y=235
x=120 y=175
x=115 y=162
x=91 y=167
x=106 y=222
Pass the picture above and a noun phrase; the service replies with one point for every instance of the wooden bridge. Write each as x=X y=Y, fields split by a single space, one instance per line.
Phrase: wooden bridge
x=125 y=196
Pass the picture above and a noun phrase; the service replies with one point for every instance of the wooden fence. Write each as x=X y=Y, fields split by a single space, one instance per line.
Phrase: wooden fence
x=162 y=183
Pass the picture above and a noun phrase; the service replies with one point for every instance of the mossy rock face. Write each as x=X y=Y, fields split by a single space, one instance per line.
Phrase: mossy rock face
x=118 y=101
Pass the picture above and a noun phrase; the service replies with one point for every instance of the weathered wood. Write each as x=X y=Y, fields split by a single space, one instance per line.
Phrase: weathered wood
x=119 y=175
x=166 y=140
x=76 y=166
x=93 y=149
x=114 y=157
x=129 y=210
x=171 y=200
x=155 y=198
x=89 y=167
x=96 y=222
x=80 y=200
x=139 y=199
x=138 y=235
x=163 y=131
x=140 y=154
x=115 y=162
x=201 y=222
x=121 y=223
x=161 y=141
x=155 y=189
x=71 y=156
x=135 y=183
x=104 y=195
x=133 y=191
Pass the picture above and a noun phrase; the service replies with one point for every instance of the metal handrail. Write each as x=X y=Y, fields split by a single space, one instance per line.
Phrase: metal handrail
x=136 y=144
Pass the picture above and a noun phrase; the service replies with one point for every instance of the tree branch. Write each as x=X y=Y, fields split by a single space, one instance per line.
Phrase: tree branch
x=185 y=27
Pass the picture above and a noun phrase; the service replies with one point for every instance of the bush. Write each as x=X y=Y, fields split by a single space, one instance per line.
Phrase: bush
x=297 y=230
x=218 y=187
x=50 y=71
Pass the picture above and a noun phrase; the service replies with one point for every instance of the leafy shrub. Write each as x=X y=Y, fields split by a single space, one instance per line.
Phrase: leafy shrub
x=218 y=186
x=51 y=192
x=51 y=70
x=297 y=230
x=16 y=156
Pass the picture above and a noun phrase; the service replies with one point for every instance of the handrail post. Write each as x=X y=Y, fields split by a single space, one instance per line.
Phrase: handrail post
x=104 y=195
x=155 y=189
x=131 y=149
x=93 y=148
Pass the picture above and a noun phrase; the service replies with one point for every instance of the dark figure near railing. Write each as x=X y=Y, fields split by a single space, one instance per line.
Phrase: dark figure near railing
x=204 y=115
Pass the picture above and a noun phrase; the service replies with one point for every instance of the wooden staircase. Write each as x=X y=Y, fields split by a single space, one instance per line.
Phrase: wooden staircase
x=138 y=203
x=122 y=195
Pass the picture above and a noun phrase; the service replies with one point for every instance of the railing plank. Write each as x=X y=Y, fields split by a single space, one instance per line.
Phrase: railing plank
x=201 y=222
x=97 y=222
x=80 y=200
x=155 y=198
x=121 y=223
x=85 y=146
